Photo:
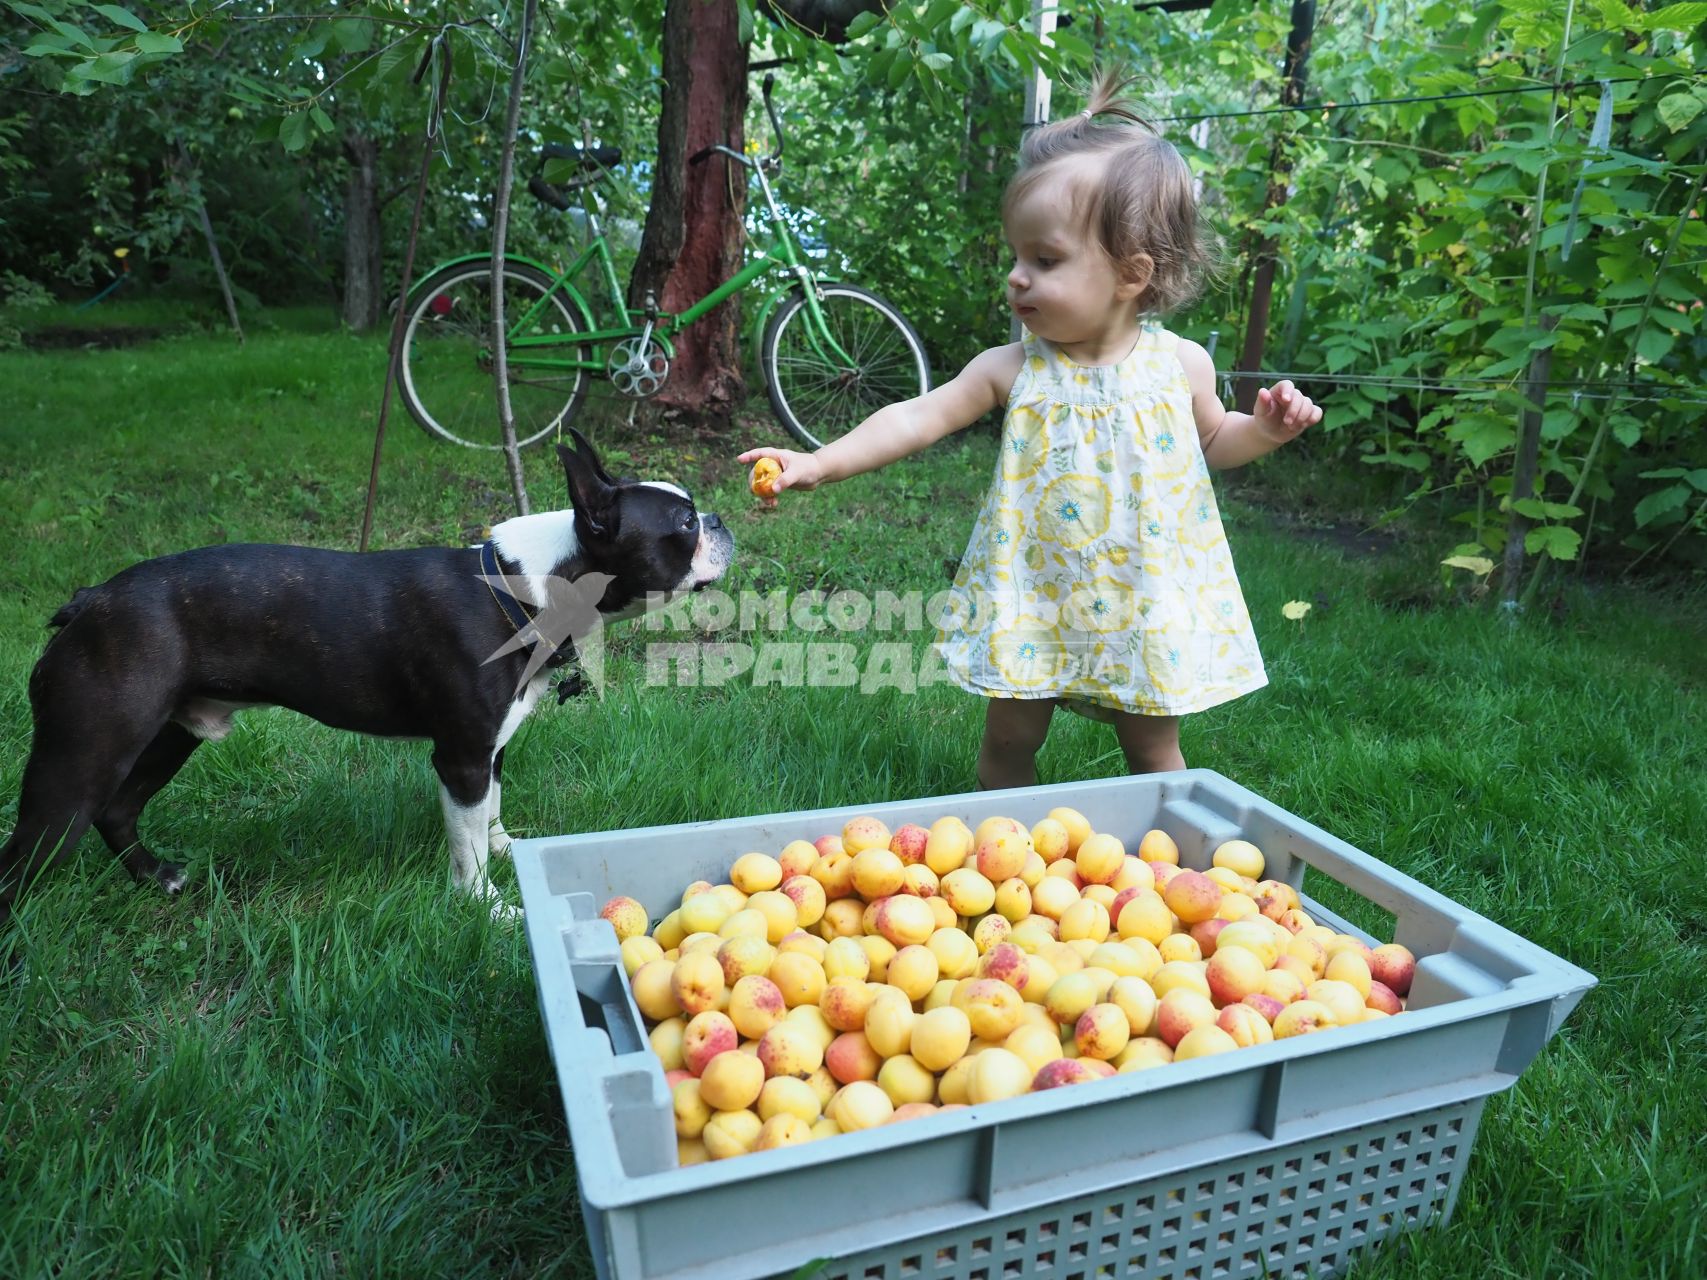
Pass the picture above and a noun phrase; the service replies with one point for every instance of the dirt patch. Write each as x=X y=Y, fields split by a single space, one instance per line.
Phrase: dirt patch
x=1354 y=540
x=70 y=337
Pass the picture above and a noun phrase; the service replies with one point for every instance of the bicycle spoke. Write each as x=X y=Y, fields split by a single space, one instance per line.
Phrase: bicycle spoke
x=448 y=373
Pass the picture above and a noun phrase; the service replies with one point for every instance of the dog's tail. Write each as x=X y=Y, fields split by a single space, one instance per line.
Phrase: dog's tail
x=80 y=600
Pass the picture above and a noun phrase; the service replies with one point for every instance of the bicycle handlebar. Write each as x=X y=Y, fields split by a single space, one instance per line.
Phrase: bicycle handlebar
x=545 y=193
x=769 y=162
x=770 y=110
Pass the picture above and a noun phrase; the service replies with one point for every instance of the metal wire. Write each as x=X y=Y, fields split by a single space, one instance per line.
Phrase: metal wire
x=1568 y=86
x=1478 y=386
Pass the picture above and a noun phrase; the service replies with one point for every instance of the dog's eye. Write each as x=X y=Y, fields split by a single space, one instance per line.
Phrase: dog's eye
x=689 y=521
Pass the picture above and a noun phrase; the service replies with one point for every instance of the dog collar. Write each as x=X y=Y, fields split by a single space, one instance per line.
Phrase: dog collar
x=563 y=656
x=513 y=608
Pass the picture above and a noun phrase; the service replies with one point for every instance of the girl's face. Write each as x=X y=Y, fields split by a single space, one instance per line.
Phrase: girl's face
x=1063 y=286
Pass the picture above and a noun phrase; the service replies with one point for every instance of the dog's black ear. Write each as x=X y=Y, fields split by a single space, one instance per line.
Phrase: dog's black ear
x=584 y=447
x=590 y=488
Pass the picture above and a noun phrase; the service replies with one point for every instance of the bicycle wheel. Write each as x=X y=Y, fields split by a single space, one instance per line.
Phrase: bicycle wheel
x=445 y=375
x=813 y=393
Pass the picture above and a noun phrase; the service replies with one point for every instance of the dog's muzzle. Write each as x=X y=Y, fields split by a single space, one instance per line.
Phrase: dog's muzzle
x=711 y=559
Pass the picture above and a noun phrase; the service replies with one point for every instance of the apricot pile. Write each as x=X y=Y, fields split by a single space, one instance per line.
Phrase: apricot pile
x=874 y=976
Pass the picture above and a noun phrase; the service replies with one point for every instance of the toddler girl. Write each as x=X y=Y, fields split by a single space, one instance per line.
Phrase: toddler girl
x=1097 y=575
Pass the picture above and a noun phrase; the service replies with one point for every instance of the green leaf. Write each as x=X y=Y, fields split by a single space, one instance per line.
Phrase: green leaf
x=1578 y=311
x=1338 y=358
x=158 y=42
x=962 y=17
x=321 y=119
x=1674 y=17
x=1481 y=566
x=1626 y=430
x=74 y=34
x=987 y=35
x=398 y=55
x=1483 y=436
x=938 y=13
x=1536 y=509
x=112 y=67
x=862 y=23
x=1663 y=503
x=899 y=70
x=1697 y=478
x=1554 y=540
x=293 y=131
x=352 y=35
x=1654 y=344
x=937 y=61
x=1678 y=109
x=124 y=17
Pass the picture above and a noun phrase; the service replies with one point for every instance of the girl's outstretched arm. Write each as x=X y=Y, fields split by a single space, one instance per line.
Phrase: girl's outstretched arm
x=905 y=427
x=1229 y=438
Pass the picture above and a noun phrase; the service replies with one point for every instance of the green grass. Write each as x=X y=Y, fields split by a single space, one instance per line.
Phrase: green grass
x=318 y=1060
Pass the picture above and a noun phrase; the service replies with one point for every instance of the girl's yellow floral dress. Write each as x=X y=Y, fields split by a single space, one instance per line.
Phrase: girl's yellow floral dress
x=1098 y=572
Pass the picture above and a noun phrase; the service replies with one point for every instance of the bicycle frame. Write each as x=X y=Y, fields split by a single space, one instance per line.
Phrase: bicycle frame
x=526 y=349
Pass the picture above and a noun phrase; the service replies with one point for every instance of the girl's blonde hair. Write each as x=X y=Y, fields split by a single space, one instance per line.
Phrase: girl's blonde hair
x=1144 y=208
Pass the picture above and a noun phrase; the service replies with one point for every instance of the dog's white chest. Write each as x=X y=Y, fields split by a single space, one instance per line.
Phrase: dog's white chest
x=521 y=707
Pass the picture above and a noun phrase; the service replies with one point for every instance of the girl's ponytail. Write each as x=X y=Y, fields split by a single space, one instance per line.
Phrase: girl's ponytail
x=1108 y=97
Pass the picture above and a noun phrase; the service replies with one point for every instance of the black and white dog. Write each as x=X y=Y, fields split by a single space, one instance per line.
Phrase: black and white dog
x=454 y=645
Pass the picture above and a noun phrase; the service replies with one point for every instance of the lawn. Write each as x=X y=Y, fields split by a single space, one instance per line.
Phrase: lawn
x=319 y=1061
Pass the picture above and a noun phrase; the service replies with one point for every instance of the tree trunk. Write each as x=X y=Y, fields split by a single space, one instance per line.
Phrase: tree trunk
x=693 y=237
x=192 y=184
x=1280 y=175
x=364 y=290
x=500 y=233
x=1525 y=466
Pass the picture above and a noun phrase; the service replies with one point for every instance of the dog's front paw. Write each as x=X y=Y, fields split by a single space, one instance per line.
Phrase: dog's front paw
x=504 y=913
x=498 y=841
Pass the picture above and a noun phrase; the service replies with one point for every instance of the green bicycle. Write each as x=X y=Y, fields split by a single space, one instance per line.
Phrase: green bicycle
x=830 y=353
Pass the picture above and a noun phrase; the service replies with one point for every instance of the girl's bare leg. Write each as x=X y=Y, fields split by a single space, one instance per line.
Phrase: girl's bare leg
x=1014 y=729
x=1151 y=743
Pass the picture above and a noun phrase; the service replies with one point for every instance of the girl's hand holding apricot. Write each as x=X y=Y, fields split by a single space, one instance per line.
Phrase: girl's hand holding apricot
x=766 y=472
x=777 y=469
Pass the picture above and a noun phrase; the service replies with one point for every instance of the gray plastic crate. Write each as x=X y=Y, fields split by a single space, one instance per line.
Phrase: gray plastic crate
x=1279 y=1160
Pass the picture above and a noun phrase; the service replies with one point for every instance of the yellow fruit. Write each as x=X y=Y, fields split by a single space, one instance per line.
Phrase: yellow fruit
x=731 y=1081
x=1087 y=919
x=1202 y=1042
x=996 y=1074
x=653 y=991
x=731 y=1133
x=860 y=1105
x=690 y=1109
x=1158 y=846
x=784 y=1095
x=1078 y=827
x=939 y=1038
x=753 y=872
x=782 y=917
x=905 y=1080
x=1100 y=858
x=1240 y=856
x=766 y=472
x=782 y=1131
x=705 y=912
